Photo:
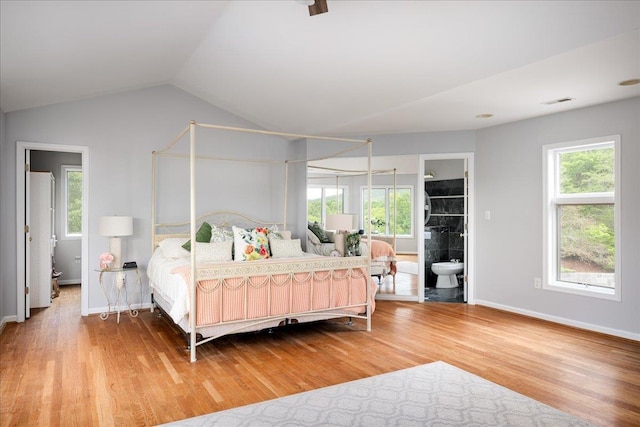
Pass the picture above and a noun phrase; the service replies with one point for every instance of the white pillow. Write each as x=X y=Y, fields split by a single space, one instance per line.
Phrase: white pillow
x=281 y=248
x=172 y=247
x=213 y=252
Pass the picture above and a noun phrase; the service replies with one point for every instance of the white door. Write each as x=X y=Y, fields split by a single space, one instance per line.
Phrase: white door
x=465 y=230
x=40 y=236
x=27 y=234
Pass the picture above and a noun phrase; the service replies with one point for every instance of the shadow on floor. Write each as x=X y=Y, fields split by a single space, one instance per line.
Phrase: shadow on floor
x=444 y=295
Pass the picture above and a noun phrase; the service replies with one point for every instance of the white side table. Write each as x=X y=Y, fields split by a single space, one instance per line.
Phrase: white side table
x=119 y=282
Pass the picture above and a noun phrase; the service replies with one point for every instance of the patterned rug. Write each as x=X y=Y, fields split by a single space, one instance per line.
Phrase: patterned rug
x=436 y=394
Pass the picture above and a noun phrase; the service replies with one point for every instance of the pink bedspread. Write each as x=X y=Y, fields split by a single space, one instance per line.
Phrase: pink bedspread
x=255 y=297
x=380 y=249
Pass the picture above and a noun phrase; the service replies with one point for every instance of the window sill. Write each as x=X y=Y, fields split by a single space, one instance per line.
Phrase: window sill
x=584 y=290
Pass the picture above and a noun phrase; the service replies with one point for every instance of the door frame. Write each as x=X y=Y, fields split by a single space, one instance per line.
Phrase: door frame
x=470 y=232
x=21 y=148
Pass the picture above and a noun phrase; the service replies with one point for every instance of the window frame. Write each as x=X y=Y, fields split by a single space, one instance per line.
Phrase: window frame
x=389 y=188
x=65 y=202
x=323 y=205
x=552 y=200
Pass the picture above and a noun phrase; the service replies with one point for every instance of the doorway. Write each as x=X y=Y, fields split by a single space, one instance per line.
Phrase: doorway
x=448 y=200
x=24 y=151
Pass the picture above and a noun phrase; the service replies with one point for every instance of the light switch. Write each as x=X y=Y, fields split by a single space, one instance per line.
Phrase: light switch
x=487 y=215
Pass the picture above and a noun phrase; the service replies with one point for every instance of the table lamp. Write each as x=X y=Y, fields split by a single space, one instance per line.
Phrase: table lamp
x=115 y=227
x=341 y=224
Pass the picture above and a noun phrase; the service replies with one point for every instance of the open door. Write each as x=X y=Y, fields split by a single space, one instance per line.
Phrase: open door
x=27 y=234
x=465 y=231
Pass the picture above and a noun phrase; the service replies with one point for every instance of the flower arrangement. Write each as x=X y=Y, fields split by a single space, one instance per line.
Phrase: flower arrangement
x=105 y=261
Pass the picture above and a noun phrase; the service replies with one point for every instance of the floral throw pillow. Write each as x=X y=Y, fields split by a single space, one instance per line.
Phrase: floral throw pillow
x=250 y=244
x=220 y=234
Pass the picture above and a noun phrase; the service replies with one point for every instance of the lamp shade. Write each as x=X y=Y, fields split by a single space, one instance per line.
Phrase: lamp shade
x=340 y=222
x=115 y=226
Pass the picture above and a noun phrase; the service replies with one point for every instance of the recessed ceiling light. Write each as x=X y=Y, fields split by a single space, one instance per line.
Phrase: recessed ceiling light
x=484 y=116
x=629 y=82
x=558 y=101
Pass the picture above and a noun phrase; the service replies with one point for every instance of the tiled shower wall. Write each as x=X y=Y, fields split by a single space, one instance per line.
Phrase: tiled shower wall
x=445 y=225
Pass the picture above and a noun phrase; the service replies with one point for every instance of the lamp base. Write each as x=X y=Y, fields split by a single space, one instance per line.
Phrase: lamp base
x=339 y=238
x=115 y=249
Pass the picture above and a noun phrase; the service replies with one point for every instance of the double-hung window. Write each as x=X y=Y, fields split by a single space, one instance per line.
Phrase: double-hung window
x=581 y=217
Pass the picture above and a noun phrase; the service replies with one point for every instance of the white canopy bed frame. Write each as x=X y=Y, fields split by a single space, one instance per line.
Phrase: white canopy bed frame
x=343 y=284
x=382 y=266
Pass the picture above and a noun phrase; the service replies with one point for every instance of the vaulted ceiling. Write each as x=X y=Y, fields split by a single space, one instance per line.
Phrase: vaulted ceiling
x=365 y=67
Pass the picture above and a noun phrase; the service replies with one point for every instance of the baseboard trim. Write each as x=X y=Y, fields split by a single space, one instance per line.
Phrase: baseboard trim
x=562 y=320
x=69 y=282
x=6 y=320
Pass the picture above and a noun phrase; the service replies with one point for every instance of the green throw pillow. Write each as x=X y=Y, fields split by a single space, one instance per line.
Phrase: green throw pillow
x=319 y=232
x=203 y=236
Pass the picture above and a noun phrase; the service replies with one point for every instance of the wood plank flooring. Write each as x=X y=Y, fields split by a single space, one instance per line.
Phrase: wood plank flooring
x=59 y=368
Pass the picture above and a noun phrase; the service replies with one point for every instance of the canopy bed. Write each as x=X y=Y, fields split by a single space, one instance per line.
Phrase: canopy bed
x=382 y=249
x=232 y=273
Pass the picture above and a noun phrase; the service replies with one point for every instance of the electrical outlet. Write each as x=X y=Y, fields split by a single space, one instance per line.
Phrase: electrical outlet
x=537 y=283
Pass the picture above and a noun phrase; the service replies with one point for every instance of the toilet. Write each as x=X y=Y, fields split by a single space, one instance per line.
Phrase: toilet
x=446 y=272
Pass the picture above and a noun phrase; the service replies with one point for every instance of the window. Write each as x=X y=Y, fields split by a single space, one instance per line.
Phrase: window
x=382 y=210
x=325 y=200
x=72 y=200
x=581 y=217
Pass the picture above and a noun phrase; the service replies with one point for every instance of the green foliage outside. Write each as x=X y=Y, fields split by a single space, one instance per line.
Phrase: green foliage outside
x=379 y=215
x=74 y=202
x=382 y=222
x=314 y=208
x=587 y=231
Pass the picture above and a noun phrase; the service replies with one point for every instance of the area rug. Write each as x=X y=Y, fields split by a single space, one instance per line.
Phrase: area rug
x=436 y=394
x=408 y=267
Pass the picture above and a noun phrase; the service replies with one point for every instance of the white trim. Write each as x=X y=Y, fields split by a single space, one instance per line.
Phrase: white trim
x=6 y=320
x=21 y=146
x=470 y=262
x=562 y=320
x=550 y=199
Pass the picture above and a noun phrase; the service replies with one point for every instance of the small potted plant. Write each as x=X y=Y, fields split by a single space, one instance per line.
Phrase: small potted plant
x=377 y=223
x=352 y=242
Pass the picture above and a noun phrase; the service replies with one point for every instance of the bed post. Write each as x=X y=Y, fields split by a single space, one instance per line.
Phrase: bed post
x=286 y=191
x=368 y=226
x=192 y=285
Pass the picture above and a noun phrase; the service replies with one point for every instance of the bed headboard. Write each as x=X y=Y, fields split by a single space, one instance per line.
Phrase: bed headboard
x=220 y=219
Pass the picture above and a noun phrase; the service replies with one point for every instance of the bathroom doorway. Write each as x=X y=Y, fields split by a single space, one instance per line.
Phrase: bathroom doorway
x=447 y=180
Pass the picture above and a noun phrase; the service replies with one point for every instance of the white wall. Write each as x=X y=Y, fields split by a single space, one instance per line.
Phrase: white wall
x=121 y=131
x=509 y=245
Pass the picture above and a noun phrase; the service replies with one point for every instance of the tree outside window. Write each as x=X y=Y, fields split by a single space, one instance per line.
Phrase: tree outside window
x=72 y=206
x=580 y=217
x=382 y=210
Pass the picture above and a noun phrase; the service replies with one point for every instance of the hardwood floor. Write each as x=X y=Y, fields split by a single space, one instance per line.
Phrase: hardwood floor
x=61 y=369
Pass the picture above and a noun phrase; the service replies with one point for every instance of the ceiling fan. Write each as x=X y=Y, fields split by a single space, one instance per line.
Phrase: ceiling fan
x=316 y=7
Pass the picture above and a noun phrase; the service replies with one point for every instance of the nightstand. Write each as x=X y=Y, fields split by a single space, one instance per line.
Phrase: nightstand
x=117 y=283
